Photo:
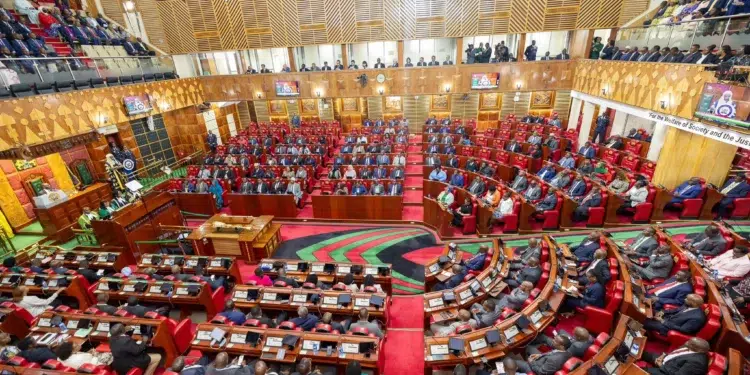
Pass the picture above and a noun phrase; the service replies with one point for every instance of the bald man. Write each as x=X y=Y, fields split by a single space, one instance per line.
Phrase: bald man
x=689 y=359
x=198 y=368
x=304 y=319
x=304 y=367
x=222 y=366
x=579 y=342
x=533 y=250
x=516 y=298
x=464 y=317
x=688 y=319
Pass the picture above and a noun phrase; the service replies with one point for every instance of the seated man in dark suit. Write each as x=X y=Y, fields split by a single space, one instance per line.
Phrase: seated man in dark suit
x=593 y=295
x=643 y=245
x=658 y=266
x=599 y=266
x=458 y=276
x=686 y=190
x=521 y=259
x=532 y=273
x=257 y=313
x=550 y=362
x=615 y=142
x=549 y=202
x=584 y=252
x=476 y=263
x=587 y=151
x=485 y=314
x=672 y=291
x=102 y=305
x=281 y=276
x=710 y=242
x=688 y=319
x=579 y=342
x=304 y=319
x=32 y=353
x=592 y=199
x=135 y=308
x=90 y=275
x=689 y=359
x=233 y=314
x=735 y=188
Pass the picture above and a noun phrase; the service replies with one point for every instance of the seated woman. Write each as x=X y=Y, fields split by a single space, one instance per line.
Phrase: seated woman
x=260 y=278
x=341 y=189
x=350 y=173
x=620 y=184
x=104 y=213
x=349 y=283
x=504 y=208
x=463 y=210
x=370 y=281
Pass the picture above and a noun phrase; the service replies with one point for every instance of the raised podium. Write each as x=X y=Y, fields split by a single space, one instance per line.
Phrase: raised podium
x=250 y=238
x=50 y=199
x=59 y=215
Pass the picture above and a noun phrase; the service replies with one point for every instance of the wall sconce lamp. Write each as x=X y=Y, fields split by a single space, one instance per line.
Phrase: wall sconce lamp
x=604 y=91
x=317 y=93
x=518 y=85
x=381 y=91
x=102 y=119
x=664 y=103
x=447 y=88
x=129 y=6
x=164 y=106
x=259 y=95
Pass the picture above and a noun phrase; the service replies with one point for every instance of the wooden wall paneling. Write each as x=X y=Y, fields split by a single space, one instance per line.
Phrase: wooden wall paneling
x=325 y=108
x=204 y=22
x=243 y=111
x=155 y=30
x=278 y=23
x=580 y=45
x=465 y=108
x=291 y=22
x=113 y=9
x=632 y=9
x=707 y=158
x=370 y=20
x=332 y=20
x=256 y=23
x=520 y=108
x=375 y=107
x=179 y=34
x=43 y=118
x=230 y=23
x=348 y=16
x=537 y=76
x=562 y=104
x=631 y=83
x=312 y=21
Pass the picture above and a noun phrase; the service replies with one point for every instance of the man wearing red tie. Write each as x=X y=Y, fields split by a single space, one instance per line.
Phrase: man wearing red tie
x=673 y=291
x=689 y=359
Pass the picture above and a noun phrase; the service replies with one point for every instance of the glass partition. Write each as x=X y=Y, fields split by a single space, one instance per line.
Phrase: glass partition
x=370 y=52
x=510 y=41
x=550 y=41
x=318 y=55
x=443 y=49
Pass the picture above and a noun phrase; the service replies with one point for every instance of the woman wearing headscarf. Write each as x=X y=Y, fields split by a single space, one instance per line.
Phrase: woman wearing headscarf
x=725 y=106
x=217 y=191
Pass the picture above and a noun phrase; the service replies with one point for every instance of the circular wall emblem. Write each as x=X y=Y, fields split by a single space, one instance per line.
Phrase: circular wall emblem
x=128 y=164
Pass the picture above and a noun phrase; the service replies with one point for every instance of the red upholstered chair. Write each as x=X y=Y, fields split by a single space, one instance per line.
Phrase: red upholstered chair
x=741 y=207
x=484 y=153
x=633 y=146
x=570 y=365
x=467 y=151
x=647 y=169
x=504 y=134
x=489 y=133
x=359 y=331
x=471 y=275
x=289 y=326
x=192 y=170
x=520 y=161
x=717 y=364
x=280 y=284
x=599 y=320
x=522 y=127
x=481 y=141
x=709 y=330
x=510 y=221
x=135 y=371
x=502 y=157
x=680 y=264
x=552 y=217
x=596 y=214
x=470 y=222
x=520 y=136
x=324 y=328
x=691 y=208
x=644 y=210
x=463 y=328
x=220 y=319
x=545 y=276
x=506 y=126
x=611 y=156
x=630 y=163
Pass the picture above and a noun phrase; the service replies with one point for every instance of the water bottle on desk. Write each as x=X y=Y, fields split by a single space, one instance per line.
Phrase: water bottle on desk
x=715 y=275
x=700 y=259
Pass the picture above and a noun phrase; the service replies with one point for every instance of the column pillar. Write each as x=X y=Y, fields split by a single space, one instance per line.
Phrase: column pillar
x=344 y=56
x=618 y=123
x=292 y=63
x=521 y=48
x=400 y=53
x=575 y=113
x=588 y=118
x=459 y=50
x=707 y=158
x=657 y=141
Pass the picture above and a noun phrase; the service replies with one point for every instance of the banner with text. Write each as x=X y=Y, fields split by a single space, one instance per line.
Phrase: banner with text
x=714 y=132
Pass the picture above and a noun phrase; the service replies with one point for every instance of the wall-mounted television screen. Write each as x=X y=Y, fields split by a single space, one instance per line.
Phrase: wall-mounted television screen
x=135 y=105
x=725 y=104
x=287 y=88
x=481 y=81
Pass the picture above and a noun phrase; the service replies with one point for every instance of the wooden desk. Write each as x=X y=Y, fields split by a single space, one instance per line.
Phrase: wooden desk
x=139 y=221
x=105 y=258
x=263 y=204
x=189 y=263
x=75 y=289
x=663 y=196
x=712 y=197
x=58 y=221
x=632 y=305
x=363 y=207
x=436 y=217
x=609 y=348
x=199 y=203
x=258 y=237
x=13 y=324
x=179 y=297
x=340 y=270
x=161 y=339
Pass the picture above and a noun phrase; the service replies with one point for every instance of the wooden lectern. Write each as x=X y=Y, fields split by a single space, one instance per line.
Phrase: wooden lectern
x=243 y=237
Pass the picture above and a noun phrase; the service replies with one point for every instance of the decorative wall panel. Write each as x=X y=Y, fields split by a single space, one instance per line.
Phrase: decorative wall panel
x=644 y=85
x=43 y=118
x=535 y=76
x=157 y=32
x=238 y=24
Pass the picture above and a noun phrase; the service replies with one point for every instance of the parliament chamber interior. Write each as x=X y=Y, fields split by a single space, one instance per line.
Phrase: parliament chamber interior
x=261 y=187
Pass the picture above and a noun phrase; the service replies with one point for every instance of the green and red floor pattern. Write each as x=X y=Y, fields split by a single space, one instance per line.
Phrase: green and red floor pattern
x=408 y=248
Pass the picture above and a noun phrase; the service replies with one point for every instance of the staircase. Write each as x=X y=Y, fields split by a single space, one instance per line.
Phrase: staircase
x=413 y=193
x=61 y=48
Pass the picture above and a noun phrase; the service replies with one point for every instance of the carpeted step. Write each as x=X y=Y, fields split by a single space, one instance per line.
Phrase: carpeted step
x=413 y=197
x=413 y=182
x=413 y=169
x=402 y=361
x=406 y=312
x=414 y=158
x=415 y=213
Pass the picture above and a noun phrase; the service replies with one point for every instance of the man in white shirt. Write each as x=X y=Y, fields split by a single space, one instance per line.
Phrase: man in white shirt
x=464 y=317
x=399 y=160
x=636 y=195
x=70 y=355
x=364 y=322
x=33 y=304
x=735 y=263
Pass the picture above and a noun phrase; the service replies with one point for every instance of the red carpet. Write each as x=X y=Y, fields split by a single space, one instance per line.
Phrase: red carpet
x=413 y=181
x=401 y=361
x=413 y=196
x=415 y=213
x=414 y=158
x=306 y=213
x=413 y=169
x=406 y=312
